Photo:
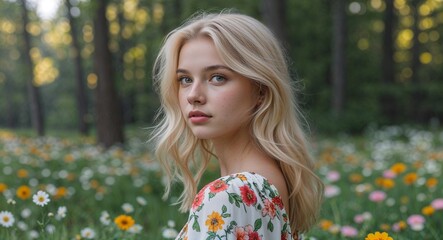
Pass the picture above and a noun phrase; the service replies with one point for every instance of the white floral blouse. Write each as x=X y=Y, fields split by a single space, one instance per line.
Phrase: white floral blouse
x=239 y=206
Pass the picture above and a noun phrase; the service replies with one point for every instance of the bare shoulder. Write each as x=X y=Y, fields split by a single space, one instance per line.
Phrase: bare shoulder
x=276 y=178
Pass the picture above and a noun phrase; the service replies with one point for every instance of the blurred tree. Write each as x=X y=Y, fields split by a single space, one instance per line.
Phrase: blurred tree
x=339 y=34
x=109 y=121
x=37 y=117
x=80 y=91
x=388 y=43
x=274 y=16
x=415 y=51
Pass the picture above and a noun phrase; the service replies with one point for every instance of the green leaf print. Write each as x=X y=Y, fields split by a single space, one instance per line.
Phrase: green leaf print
x=270 y=226
x=257 y=224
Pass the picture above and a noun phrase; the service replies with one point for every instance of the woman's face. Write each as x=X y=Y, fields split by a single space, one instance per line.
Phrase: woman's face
x=216 y=102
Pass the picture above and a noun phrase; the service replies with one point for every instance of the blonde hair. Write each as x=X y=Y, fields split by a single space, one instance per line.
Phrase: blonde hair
x=250 y=49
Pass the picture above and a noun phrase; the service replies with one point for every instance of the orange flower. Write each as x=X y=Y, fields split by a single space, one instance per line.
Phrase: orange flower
x=378 y=236
x=388 y=183
x=23 y=192
x=431 y=182
x=398 y=168
x=124 y=222
x=214 y=222
x=428 y=210
x=355 y=178
x=326 y=224
x=410 y=178
x=385 y=227
x=60 y=192
x=22 y=173
x=3 y=187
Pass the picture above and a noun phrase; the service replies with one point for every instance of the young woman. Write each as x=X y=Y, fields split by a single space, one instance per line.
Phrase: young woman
x=226 y=94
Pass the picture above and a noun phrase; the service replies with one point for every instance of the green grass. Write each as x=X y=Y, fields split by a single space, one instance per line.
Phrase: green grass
x=96 y=180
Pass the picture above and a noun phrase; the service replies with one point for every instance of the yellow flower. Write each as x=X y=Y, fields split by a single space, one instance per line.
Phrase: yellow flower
x=23 y=192
x=402 y=225
x=326 y=224
x=378 y=236
x=242 y=177
x=124 y=222
x=355 y=178
x=22 y=173
x=428 y=210
x=398 y=168
x=214 y=222
x=3 y=187
x=410 y=178
x=431 y=182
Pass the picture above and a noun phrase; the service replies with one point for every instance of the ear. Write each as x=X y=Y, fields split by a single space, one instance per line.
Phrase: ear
x=261 y=94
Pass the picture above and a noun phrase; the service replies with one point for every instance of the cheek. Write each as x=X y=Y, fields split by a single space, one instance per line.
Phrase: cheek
x=182 y=100
x=238 y=103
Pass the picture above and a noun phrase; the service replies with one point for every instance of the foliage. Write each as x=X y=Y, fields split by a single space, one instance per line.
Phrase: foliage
x=137 y=28
x=403 y=163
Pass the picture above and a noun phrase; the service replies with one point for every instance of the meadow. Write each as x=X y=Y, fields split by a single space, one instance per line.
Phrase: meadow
x=387 y=180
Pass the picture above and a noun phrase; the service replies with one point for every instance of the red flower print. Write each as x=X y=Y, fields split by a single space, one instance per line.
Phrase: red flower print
x=218 y=186
x=284 y=236
x=254 y=236
x=248 y=195
x=198 y=199
x=269 y=209
x=241 y=234
x=278 y=201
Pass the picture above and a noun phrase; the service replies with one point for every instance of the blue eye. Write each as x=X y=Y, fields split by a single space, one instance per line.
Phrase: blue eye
x=184 y=80
x=218 y=78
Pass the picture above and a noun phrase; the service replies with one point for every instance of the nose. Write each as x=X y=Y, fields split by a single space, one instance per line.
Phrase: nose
x=196 y=94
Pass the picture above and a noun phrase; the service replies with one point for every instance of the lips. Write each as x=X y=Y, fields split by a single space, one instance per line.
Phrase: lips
x=193 y=114
x=198 y=117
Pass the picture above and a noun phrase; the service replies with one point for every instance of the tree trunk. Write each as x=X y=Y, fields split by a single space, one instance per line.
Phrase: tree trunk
x=338 y=56
x=388 y=43
x=415 y=63
x=274 y=16
x=37 y=118
x=109 y=121
x=80 y=91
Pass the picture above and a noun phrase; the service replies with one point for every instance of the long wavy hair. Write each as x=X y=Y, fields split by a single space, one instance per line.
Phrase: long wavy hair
x=250 y=49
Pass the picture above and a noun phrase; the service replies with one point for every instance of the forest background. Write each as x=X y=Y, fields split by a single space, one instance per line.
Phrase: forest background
x=88 y=67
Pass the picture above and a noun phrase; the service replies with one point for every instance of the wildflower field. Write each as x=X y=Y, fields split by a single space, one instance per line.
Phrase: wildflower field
x=388 y=180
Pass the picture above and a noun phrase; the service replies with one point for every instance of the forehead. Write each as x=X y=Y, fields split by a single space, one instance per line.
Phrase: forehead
x=199 y=51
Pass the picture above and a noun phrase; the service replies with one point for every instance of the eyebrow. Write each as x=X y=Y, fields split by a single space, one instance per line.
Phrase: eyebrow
x=207 y=69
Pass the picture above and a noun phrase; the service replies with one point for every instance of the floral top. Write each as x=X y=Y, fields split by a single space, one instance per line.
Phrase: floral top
x=239 y=206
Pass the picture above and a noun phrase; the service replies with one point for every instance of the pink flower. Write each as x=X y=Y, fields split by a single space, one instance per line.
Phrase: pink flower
x=348 y=231
x=331 y=191
x=333 y=176
x=269 y=209
x=389 y=174
x=377 y=196
x=359 y=218
x=416 y=222
x=437 y=204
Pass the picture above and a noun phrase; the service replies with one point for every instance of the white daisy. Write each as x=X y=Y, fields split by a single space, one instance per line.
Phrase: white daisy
x=41 y=198
x=104 y=218
x=169 y=233
x=33 y=234
x=87 y=233
x=127 y=207
x=61 y=213
x=136 y=229
x=6 y=219
x=141 y=201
